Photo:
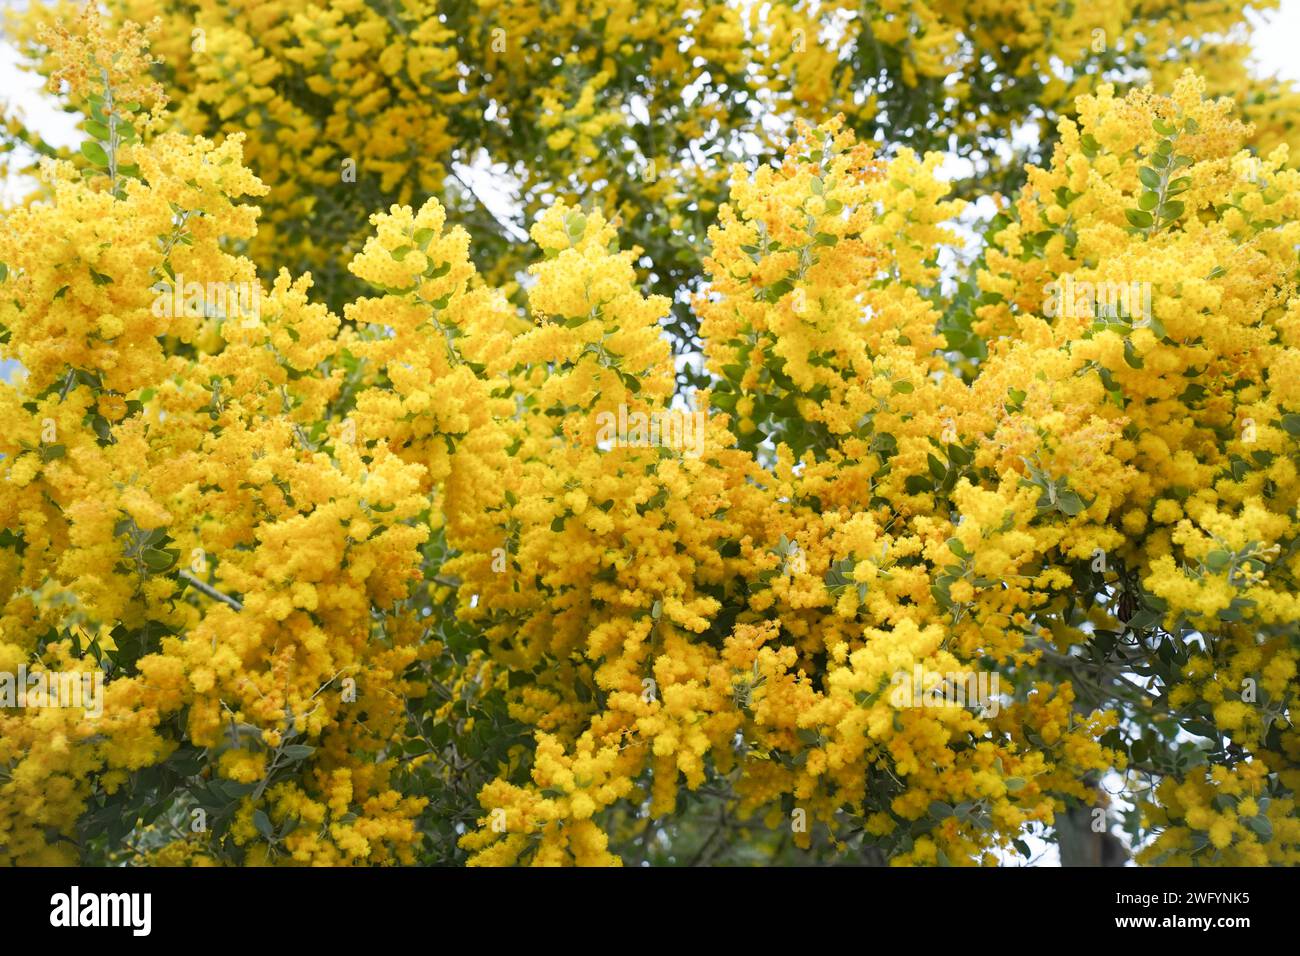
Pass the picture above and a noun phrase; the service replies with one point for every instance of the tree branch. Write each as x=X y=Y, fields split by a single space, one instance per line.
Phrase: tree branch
x=210 y=591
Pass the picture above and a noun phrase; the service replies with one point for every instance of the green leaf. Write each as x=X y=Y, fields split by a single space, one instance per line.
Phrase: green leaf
x=1217 y=561
x=916 y=484
x=1143 y=620
x=1138 y=218
x=1015 y=784
x=1262 y=827
x=575 y=226
x=160 y=560
x=298 y=751
x=1148 y=200
x=263 y=824
x=95 y=153
x=1130 y=355
x=839 y=576
x=1069 y=502
x=1171 y=210
x=1150 y=178
x=903 y=388
x=581 y=690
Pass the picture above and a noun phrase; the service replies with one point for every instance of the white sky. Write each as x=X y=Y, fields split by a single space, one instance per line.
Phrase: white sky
x=1275 y=42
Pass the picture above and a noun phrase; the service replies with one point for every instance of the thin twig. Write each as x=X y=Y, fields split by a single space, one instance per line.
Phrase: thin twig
x=210 y=591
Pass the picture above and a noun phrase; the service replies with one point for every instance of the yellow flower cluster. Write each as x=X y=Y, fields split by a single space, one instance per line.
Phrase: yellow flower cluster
x=348 y=107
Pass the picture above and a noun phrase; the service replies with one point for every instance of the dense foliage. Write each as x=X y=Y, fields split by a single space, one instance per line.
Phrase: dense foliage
x=368 y=581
